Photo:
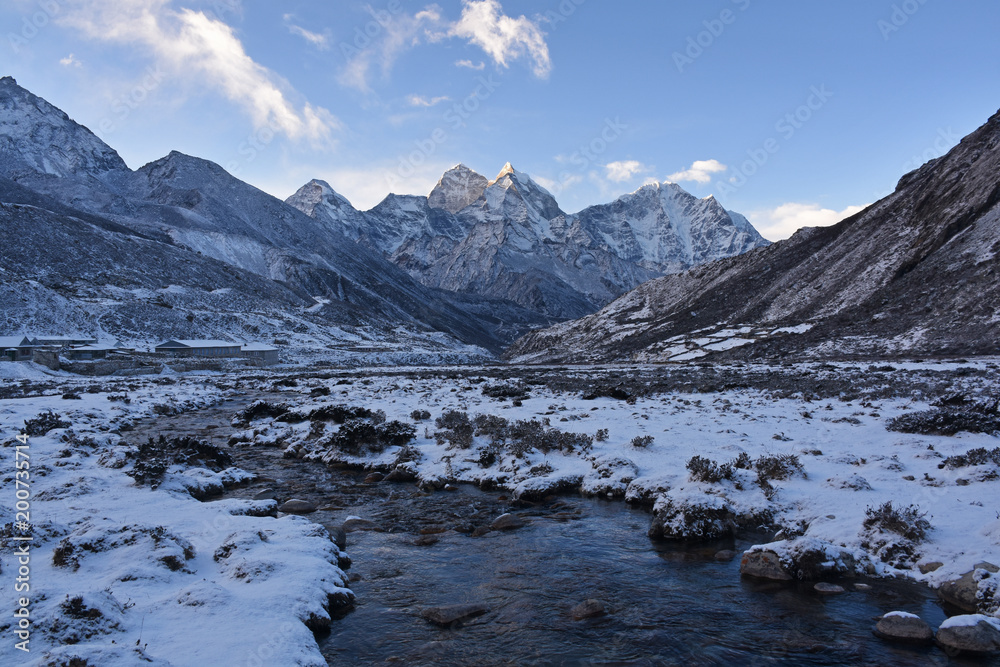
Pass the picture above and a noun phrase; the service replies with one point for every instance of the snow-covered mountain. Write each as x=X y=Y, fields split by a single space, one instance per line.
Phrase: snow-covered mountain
x=38 y=138
x=459 y=187
x=913 y=274
x=216 y=223
x=477 y=262
x=509 y=239
x=664 y=228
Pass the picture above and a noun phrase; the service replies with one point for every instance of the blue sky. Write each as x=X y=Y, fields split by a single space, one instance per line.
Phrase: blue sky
x=793 y=113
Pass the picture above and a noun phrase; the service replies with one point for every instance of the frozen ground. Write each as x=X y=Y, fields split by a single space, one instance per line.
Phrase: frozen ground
x=161 y=575
x=122 y=574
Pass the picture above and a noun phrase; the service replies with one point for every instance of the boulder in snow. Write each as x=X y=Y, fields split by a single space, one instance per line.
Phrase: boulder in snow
x=962 y=592
x=900 y=626
x=764 y=565
x=970 y=634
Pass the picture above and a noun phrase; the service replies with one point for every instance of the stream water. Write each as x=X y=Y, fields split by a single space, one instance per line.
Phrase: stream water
x=666 y=604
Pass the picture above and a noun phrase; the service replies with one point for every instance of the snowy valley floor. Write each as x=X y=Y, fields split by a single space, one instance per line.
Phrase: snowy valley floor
x=124 y=573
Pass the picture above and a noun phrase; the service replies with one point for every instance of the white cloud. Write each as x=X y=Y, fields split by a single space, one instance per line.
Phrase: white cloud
x=397 y=34
x=619 y=172
x=191 y=45
x=418 y=101
x=320 y=41
x=556 y=188
x=781 y=222
x=70 y=61
x=484 y=24
x=700 y=172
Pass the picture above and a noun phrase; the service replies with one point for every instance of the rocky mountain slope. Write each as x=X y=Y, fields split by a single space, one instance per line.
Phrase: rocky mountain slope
x=914 y=274
x=476 y=263
x=197 y=212
x=509 y=239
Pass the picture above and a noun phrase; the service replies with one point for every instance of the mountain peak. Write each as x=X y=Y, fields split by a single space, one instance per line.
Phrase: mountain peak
x=318 y=200
x=459 y=187
x=507 y=169
x=41 y=138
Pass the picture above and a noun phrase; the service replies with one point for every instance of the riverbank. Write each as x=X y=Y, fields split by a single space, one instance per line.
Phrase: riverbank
x=125 y=570
x=124 y=552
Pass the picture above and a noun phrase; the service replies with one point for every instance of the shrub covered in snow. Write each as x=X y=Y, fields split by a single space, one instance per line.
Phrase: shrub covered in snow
x=43 y=423
x=517 y=438
x=776 y=467
x=152 y=459
x=973 y=457
x=642 y=441
x=341 y=414
x=706 y=470
x=364 y=436
x=945 y=422
x=892 y=533
x=505 y=390
x=705 y=518
x=258 y=410
x=456 y=429
x=771 y=467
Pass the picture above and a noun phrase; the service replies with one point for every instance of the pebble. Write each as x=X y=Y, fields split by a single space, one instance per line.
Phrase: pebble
x=355 y=523
x=507 y=522
x=296 y=506
x=588 y=609
x=454 y=614
x=828 y=589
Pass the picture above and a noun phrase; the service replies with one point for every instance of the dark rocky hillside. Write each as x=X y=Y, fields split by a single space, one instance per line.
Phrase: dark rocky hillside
x=914 y=274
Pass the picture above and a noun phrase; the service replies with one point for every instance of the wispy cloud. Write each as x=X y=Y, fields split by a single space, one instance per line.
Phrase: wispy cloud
x=191 y=45
x=622 y=171
x=398 y=33
x=320 y=41
x=70 y=61
x=699 y=172
x=418 y=101
x=484 y=24
x=781 y=222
